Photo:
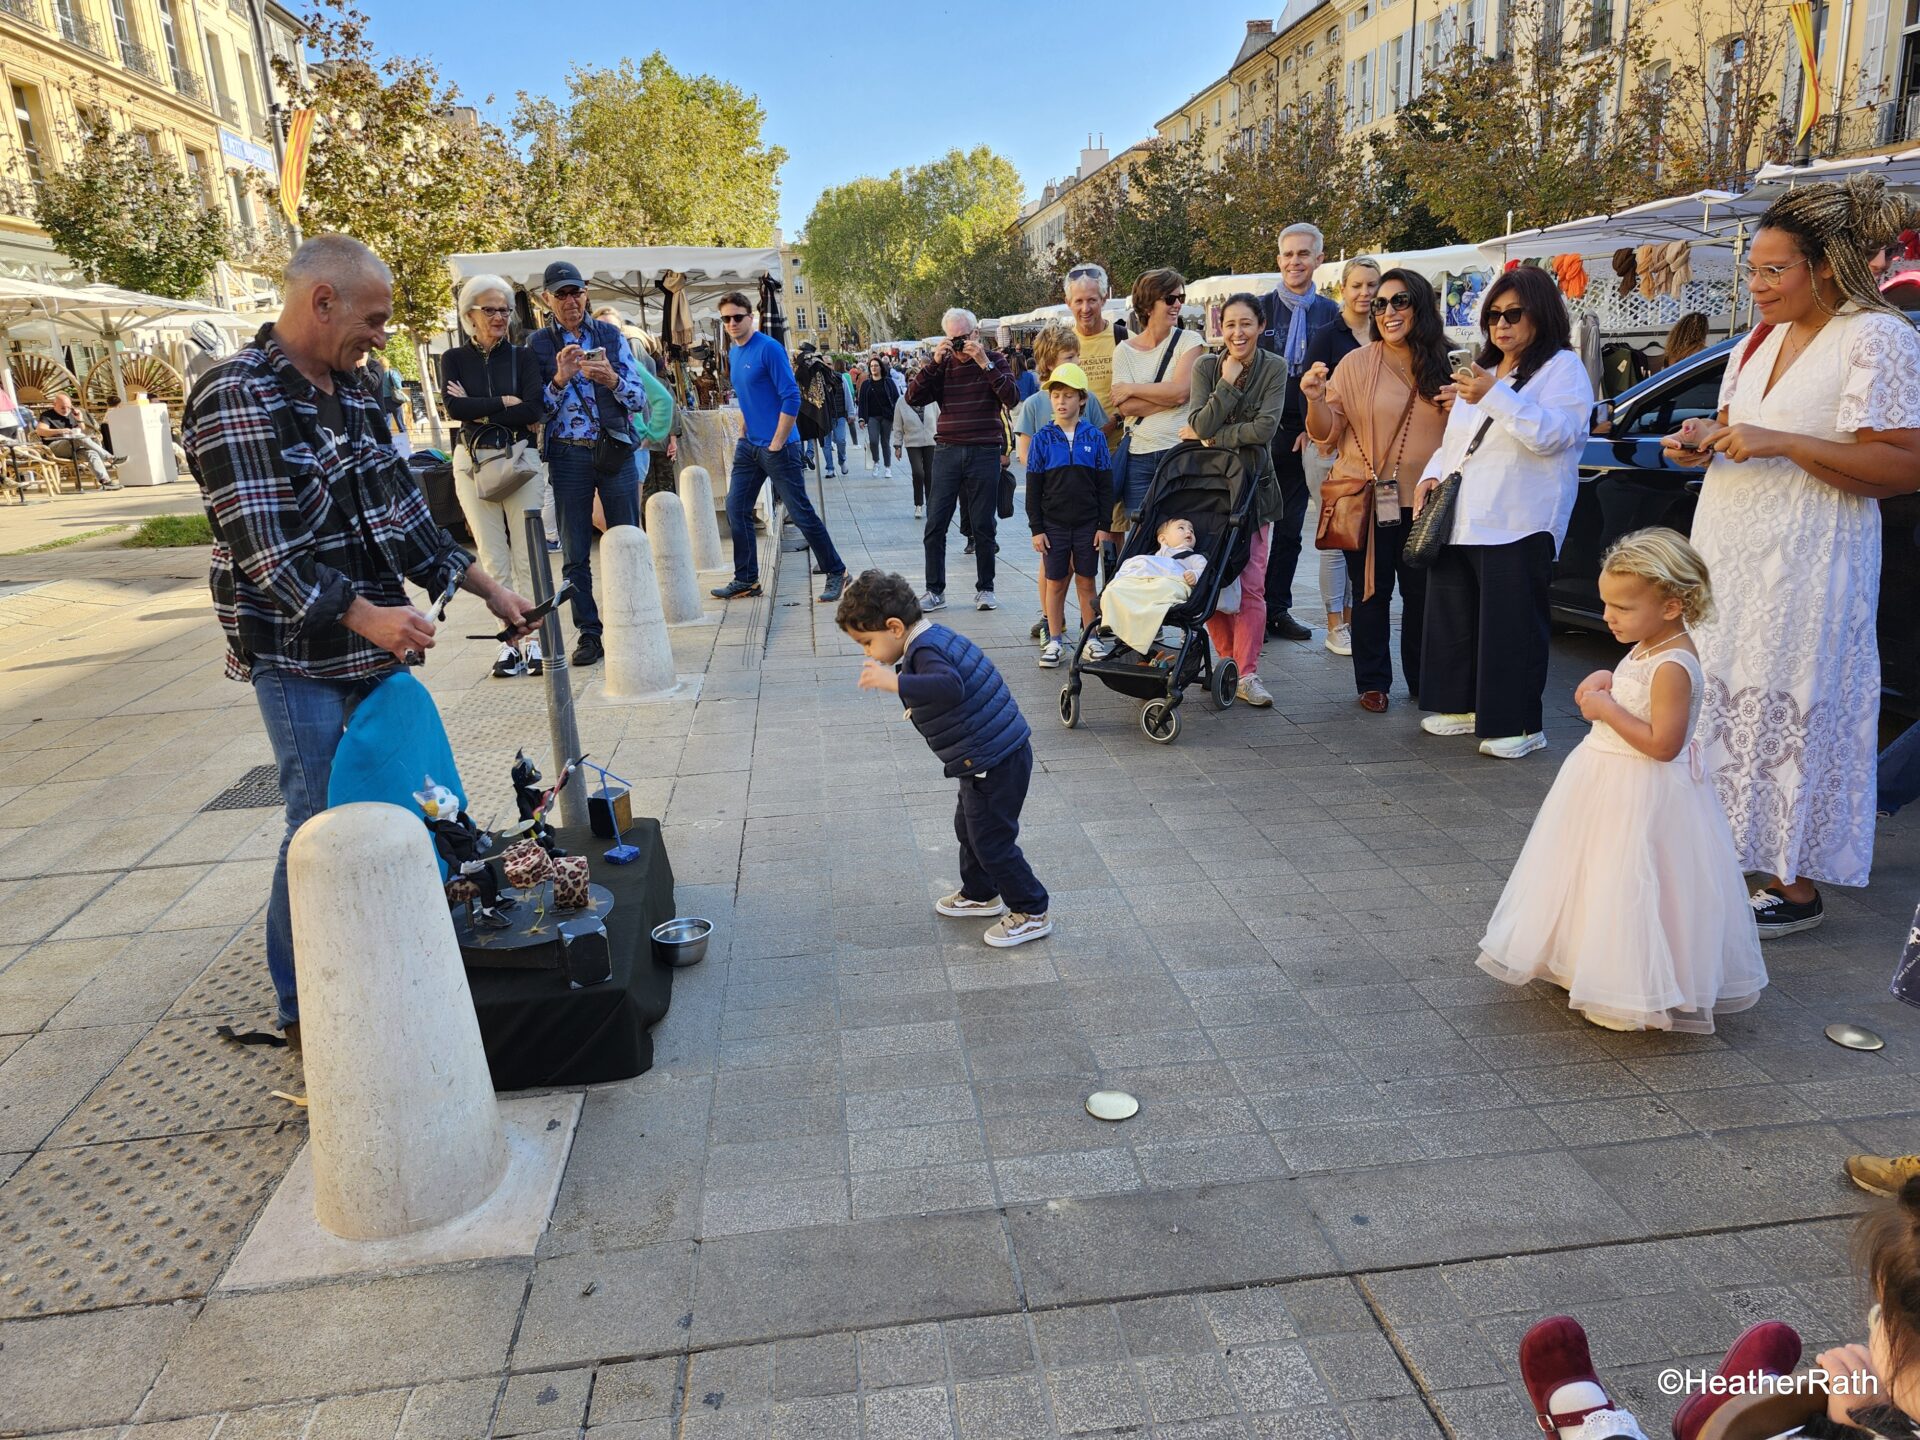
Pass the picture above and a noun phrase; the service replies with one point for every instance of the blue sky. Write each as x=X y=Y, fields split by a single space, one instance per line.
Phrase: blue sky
x=856 y=89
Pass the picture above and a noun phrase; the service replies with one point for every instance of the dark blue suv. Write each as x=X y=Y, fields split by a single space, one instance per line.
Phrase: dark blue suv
x=1627 y=483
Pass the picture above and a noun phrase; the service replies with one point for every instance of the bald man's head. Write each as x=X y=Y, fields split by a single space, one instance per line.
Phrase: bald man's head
x=339 y=300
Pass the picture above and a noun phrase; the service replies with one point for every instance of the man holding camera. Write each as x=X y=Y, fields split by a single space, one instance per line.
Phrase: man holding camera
x=971 y=386
x=592 y=391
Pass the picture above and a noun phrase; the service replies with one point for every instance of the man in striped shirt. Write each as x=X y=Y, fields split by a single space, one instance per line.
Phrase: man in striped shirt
x=316 y=522
x=971 y=386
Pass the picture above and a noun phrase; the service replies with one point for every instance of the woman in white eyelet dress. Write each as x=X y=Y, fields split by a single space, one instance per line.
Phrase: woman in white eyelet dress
x=1627 y=894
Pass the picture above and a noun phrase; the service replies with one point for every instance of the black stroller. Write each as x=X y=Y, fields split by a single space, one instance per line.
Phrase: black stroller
x=1210 y=488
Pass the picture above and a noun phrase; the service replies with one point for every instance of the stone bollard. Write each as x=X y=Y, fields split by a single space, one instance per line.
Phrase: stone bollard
x=406 y=1131
x=673 y=559
x=703 y=526
x=639 y=657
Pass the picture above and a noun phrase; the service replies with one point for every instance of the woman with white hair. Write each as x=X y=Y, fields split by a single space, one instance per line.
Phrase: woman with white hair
x=492 y=387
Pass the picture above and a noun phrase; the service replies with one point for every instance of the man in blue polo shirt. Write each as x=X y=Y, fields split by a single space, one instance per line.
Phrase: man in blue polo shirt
x=769 y=399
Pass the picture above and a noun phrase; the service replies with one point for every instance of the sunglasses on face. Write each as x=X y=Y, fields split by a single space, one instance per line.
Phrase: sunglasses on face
x=1512 y=315
x=1085 y=272
x=1399 y=300
x=1177 y=299
x=734 y=318
x=569 y=293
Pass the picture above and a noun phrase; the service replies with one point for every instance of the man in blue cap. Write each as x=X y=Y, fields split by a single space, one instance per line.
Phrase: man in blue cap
x=592 y=392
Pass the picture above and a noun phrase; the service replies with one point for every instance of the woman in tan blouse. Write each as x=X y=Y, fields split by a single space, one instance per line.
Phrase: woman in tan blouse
x=1385 y=410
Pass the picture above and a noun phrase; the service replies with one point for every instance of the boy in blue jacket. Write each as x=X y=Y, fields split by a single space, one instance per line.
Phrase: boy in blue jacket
x=963 y=709
x=1069 y=500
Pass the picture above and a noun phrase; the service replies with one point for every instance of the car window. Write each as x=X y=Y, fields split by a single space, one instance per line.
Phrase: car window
x=1695 y=397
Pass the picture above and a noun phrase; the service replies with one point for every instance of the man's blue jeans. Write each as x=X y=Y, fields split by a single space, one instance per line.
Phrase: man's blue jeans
x=834 y=441
x=752 y=464
x=575 y=482
x=304 y=719
x=1900 y=772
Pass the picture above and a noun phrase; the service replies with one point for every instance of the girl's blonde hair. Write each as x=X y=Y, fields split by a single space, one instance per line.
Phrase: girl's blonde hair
x=1665 y=560
x=1052 y=347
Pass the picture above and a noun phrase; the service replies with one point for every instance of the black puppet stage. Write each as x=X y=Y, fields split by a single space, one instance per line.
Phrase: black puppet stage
x=538 y=1029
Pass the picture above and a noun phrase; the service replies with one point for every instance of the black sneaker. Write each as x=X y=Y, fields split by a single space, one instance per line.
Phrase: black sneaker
x=1776 y=915
x=1282 y=626
x=734 y=589
x=510 y=663
x=589 y=651
x=835 y=584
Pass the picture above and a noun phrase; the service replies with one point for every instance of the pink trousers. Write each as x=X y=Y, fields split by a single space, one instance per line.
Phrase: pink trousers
x=1242 y=635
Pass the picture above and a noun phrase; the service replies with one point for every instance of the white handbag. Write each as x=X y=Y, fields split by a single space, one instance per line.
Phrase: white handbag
x=499 y=470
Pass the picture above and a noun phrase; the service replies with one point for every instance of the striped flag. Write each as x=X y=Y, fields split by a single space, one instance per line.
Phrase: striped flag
x=1800 y=15
x=293 y=179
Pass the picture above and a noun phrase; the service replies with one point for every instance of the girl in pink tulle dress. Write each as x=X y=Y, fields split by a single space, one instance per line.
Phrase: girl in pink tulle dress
x=1628 y=894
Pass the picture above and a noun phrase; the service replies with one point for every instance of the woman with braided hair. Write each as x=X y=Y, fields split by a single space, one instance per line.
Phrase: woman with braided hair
x=1819 y=420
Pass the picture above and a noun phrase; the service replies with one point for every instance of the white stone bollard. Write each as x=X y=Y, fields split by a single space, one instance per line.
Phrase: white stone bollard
x=639 y=656
x=406 y=1131
x=703 y=526
x=673 y=559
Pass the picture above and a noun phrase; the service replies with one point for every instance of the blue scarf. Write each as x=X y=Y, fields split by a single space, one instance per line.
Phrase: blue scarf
x=1294 y=352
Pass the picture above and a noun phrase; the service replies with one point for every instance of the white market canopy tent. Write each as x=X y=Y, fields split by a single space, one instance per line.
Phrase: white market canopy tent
x=1430 y=264
x=634 y=272
x=1704 y=217
x=1901 y=171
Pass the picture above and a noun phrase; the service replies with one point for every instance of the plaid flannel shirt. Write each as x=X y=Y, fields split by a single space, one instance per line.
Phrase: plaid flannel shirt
x=303 y=525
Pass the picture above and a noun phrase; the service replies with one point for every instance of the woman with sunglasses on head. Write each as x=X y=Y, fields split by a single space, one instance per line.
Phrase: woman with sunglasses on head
x=1152 y=380
x=1514 y=436
x=1331 y=344
x=1819 y=420
x=1384 y=411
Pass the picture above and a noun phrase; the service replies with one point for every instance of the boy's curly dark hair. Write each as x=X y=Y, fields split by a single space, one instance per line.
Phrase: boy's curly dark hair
x=874 y=598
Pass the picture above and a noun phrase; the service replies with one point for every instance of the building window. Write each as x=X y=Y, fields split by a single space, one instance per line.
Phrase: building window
x=122 y=30
x=26 y=116
x=169 y=38
x=1333 y=34
x=242 y=201
x=252 y=92
x=1396 y=73
x=1286 y=66
x=799 y=317
x=820 y=313
x=197 y=177
x=1216 y=112
x=1357 y=19
x=799 y=284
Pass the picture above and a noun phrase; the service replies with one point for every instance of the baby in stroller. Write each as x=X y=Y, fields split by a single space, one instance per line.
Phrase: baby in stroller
x=1145 y=587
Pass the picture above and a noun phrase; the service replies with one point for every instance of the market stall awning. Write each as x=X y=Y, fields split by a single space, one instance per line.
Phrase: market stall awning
x=101 y=311
x=1901 y=171
x=633 y=272
x=1710 y=217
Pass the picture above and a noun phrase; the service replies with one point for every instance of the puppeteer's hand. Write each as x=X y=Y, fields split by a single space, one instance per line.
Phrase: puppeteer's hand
x=875 y=676
x=511 y=609
x=397 y=629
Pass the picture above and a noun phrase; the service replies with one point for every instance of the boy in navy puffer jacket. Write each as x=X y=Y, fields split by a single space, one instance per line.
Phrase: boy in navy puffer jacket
x=961 y=706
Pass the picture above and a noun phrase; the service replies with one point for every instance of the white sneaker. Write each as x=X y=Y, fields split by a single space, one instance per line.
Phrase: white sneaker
x=1512 y=747
x=916 y=512
x=536 y=662
x=1340 y=639
x=1050 y=654
x=933 y=600
x=1098 y=648
x=1017 y=929
x=888 y=472
x=983 y=600
x=1461 y=724
x=961 y=908
x=509 y=663
x=1253 y=693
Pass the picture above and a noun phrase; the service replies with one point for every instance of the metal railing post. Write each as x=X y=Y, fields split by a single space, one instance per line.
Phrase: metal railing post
x=563 y=731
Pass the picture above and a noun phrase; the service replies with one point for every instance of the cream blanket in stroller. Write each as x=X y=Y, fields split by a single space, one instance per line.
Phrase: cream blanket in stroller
x=1144 y=588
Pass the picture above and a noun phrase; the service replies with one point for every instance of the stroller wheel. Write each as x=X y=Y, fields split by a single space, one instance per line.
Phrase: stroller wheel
x=1069 y=706
x=1226 y=683
x=1161 y=722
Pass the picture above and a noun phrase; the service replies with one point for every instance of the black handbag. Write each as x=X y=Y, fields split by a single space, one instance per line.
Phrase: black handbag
x=1432 y=529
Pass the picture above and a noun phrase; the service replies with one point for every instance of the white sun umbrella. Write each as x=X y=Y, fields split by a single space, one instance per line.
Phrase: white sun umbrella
x=102 y=312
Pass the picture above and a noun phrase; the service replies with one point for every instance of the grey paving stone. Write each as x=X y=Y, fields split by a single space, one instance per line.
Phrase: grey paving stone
x=1248 y=1317
x=925 y=1414
x=451 y=1410
x=42 y=1080
x=602 y=1305
x=1094 y=1398
x=1737 y=1177
x=1359 y=1367
x=1274 y=1377
x=1011 y=1408
x=901 y=1355
x=199 y=1428
x=1396 y=1419
x=1071 y=1173
x=548 y=1400
x=358 y=1417
x=1333 y=1306
x=279 y=1422
x=833 y=1278
x=1080 y=1335
x=460 y=1322
x=1170 y=1325
x=819 y=1417
x=816 y=1365
x=634 y=1390
x=1304 y=1425
x=1445 y=1209
x=52 y=1378
x=992 y=1345
x=779 y=1205
x=1185 y=1387
x=1128 y=1245
x=920 y=1192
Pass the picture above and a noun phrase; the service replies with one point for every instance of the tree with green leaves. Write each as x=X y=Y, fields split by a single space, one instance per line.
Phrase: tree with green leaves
x=645 y=155
x=1145 y=213
x=129 y=217
x=894 y=250
x=1535 y=131
x=398 y=163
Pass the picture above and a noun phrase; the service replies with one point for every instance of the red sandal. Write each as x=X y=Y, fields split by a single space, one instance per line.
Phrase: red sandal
x=1553 y=1354
x=1770 y=1348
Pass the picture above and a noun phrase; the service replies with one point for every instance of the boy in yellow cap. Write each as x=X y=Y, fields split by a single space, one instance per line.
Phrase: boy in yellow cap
x=1069 y=499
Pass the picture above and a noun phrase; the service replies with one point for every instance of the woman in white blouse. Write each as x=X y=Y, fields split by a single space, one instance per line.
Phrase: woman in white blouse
x=1819 y=421
x=1483 y=665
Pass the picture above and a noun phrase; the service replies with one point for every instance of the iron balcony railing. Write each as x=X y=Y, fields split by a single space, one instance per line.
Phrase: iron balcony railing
x=83 y=33
x=186 y=83
x=27 y=10
x=140 y=60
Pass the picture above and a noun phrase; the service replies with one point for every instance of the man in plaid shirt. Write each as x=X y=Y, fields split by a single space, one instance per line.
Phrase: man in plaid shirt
x=316 y=518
